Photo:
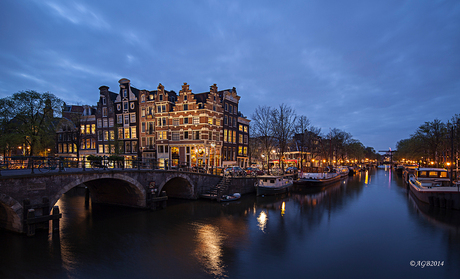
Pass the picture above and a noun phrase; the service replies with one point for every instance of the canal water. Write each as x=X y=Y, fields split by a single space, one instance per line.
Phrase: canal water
x=368 y=226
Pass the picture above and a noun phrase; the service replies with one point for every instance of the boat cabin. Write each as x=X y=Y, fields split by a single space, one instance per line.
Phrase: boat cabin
x=433 y=176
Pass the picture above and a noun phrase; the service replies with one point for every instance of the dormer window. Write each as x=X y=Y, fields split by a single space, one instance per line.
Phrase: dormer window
x=161 y=97
x=185 y=97
x=104 y=102
x=125 y=93
x=151 y=97
x=143 y=98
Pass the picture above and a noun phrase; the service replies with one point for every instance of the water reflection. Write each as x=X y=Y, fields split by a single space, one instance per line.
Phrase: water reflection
x=262 y=220
x=209 y=248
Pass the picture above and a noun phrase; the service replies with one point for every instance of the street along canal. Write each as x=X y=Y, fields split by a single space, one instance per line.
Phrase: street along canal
x=368 y=226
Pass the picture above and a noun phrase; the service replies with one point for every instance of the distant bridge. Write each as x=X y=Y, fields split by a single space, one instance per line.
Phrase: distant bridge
x=26 y=200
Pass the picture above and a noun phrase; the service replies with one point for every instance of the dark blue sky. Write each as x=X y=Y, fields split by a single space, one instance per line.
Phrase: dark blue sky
x=375 y=69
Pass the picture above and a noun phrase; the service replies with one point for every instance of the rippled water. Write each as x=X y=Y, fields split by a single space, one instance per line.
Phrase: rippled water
x=366 y=227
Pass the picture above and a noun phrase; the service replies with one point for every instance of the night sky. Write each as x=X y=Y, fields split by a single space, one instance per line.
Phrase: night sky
x=375 y=69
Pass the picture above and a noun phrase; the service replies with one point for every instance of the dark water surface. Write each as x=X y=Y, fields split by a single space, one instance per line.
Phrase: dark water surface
x=366 y=227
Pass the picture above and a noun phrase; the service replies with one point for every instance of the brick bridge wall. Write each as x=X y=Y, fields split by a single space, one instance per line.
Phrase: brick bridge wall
x=127 y=187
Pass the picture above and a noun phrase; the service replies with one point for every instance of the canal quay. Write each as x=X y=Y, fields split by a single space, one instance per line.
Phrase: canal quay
x=368 y=226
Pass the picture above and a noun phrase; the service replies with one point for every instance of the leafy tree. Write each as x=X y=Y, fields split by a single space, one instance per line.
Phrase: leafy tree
x=432 y=137
x=31 y=117
x=301 y=137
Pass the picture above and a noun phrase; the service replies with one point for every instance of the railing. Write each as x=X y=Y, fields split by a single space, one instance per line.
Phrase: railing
x=36 y=164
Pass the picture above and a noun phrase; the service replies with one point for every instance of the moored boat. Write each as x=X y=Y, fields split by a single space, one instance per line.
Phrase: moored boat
x=433 y=186
x=272 y=185
x=343 y=170
x=317 y=179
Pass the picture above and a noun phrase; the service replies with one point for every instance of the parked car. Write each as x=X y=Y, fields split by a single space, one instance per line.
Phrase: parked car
x=234 y=171
x=254 y=171
x=292 y=170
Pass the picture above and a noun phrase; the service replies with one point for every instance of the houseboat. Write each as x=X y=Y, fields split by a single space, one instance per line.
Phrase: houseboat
x=272 y=185
x=317 y=179
x=433 y=186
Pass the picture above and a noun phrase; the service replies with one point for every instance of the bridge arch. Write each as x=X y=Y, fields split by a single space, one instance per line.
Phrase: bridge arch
x=178 y=186
x=10 y=212
x=105 y=181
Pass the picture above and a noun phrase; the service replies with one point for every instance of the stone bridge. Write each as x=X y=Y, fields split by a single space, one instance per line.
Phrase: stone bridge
x=37 y=193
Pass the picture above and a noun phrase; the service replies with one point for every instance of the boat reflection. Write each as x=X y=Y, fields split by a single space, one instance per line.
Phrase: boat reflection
x=446 y=219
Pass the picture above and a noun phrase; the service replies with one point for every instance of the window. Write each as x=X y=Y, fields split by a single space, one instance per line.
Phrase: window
x=160 y=97
x=104 y=112
x=225 y=135
x=197 y=135
x=185 y=98
x=234 y=110
x=142 y=98
x=163 y=120
x=120 y=133
x=118 y=107
x=186 y=120
x=133 y=133
x=186 y=135
x=133 y=118
x=125 y=105
x=120 y=119
x=64 y=148
x=245 y=139
x=175 y=136
x=230 y=108
x=106 y=148
x=127 y=133
x=106 y=123
x=82 y=129
x=160 y=149
x=126 y=118
x=240 y=139
x=226 y=107
x=240 y=150
x=143 y=127
x=185 y=106
x=210 y=121
x=101 y=148
x=88 y=129
x=143 y=112
x=210 y=135
x=99 y=123
x=134 y=150
x=218 y=122
x=234 y=136
x=132 y=105
x=88 y=144
x=176 y=122
x=106 y=135
x=104 y=101
x=241 y=127
x=112 y=135
x=125 y=93
x=127 y=147
x=245 y=129
x=110 y=122
x=225 y=120
x=99 y=135
x=196 y=120
x=150 y=97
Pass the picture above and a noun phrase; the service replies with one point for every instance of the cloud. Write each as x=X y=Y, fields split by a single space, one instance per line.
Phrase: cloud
x=78 y=13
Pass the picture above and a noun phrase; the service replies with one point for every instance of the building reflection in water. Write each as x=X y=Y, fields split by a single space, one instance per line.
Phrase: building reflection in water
x=209 y=248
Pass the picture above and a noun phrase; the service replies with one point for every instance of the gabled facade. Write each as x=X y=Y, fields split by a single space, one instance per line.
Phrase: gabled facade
x=126 y=110
x=106 y=143
x=230 y=100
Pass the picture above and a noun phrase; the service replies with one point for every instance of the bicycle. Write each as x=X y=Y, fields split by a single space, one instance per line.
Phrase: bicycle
x=96 y=165
x=47 y=166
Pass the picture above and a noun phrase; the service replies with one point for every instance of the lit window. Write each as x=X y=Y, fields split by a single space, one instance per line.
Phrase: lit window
x=133 y=132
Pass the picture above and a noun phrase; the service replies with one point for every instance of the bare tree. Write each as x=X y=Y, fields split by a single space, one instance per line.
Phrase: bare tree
x=283 y=126
x=301 y=137
x=261 y=127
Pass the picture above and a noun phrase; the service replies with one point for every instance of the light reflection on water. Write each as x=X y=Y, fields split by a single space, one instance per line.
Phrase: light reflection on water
x=365 y=227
